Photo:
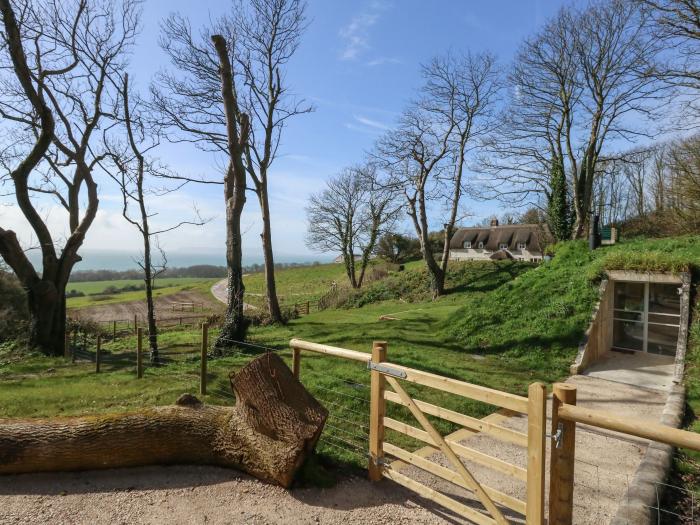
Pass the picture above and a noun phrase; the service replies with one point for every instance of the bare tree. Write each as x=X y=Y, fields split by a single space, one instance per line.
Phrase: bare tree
x=268 y=37
x=425 y=155
x=677 y=22
x=134 y=165
x=237 y=131
x=684 y=187
x=579 y=85
x=201 y=105
x=348 y=216
x=71 y=48
x=261 y=38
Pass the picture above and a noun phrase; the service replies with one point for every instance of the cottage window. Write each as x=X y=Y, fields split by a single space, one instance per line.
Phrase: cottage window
x=503 y=246
x=467 y=244
x=522 y=246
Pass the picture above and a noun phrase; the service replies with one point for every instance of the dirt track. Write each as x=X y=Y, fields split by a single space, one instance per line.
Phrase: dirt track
x=164 y=308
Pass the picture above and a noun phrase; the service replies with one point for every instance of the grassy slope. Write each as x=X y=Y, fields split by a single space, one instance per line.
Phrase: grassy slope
x=306 y=283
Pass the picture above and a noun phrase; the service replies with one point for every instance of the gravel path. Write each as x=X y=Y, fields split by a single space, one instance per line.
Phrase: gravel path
x=196 y=494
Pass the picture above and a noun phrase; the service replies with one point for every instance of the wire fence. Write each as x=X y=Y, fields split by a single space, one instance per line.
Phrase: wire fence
x=599 y=491
x=338 y=387
x=675 y=504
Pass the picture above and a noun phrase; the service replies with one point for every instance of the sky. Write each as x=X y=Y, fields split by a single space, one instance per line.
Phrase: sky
x=358 y=65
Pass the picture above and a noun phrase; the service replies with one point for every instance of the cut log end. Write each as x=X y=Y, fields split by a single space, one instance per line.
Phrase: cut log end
x=269 y=433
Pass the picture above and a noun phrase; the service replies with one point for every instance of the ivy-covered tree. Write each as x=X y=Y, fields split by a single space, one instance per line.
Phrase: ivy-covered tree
x=558 y=205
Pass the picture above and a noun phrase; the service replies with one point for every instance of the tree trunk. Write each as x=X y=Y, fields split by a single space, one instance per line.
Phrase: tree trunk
x=235 y=325
x=47 y=317
x=273 y=304
x=268 y=433
x=437 y=276
x=150 y=307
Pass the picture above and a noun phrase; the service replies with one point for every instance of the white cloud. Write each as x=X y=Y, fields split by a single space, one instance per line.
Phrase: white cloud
x=356 y=35
x=367 y=125
x=384 y=60
x=371 y=123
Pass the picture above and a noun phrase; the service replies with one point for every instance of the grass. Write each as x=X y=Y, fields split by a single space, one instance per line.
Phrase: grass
x=98 y=287
x=503 y=325
x=306 y=283
x=167 y=287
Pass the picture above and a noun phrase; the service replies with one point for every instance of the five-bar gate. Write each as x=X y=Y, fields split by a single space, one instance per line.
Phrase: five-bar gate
x=386 y=385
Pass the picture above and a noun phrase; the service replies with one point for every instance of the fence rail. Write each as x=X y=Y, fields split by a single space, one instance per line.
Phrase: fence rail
x=385 y=386
x=565 y=416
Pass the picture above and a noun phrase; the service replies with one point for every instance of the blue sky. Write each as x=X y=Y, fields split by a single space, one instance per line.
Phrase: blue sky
x=358 y=64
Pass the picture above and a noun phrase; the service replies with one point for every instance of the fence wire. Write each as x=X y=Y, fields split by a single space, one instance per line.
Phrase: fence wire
x=346 y=433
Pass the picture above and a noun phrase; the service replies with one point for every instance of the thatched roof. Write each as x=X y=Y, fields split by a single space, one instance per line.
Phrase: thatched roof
x=536 y=236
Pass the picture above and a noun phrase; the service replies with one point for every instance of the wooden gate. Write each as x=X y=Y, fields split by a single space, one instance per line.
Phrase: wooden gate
x=386 y=385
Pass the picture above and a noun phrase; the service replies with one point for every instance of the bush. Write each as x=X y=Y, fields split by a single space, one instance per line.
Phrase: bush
x=261 y=317
x=74 y=293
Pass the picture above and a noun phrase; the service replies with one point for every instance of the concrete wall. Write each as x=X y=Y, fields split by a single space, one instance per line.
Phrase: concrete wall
x=598 y=337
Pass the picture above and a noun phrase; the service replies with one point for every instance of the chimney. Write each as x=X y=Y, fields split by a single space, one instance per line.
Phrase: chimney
x=494 y=222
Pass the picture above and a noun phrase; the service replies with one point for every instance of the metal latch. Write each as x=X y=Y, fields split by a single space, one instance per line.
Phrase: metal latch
x=379 y=461
x=557 y=436
x=386 y=369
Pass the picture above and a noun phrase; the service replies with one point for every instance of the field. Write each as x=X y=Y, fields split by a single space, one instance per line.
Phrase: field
x=502 y=325
x=197 y=289
x=99 y=287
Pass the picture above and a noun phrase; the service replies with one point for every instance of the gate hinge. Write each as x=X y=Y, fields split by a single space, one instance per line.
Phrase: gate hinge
x=557 y=436
x=386 y=369
x=379 y=461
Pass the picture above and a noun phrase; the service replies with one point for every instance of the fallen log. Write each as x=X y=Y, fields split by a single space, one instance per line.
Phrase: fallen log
x=270 y=431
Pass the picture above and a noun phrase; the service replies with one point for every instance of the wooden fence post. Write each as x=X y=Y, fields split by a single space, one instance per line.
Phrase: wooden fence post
x=98 y=356
x=536 y=449
x=562 y=459
x=377 y=409
x=114 y=329
x=139 y=353
x=74 y=345
x=307 y=308
x=203 y=360
x=66 y=344
x=296 y=362
x=136 y=324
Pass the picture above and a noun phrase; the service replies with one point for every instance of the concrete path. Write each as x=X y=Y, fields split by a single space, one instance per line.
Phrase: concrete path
x=220 y=289
x=638 y=369
x=633 y=386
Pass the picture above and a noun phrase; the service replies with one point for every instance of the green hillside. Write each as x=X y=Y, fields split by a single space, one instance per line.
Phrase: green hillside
x=502 y=324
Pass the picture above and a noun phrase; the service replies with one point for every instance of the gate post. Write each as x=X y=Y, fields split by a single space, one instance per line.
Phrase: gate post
x=296 y=362
x=377 y=409
x=536 y=447
x=562 y=457
x=139 y=353
x=203 y=359
x=98 y=356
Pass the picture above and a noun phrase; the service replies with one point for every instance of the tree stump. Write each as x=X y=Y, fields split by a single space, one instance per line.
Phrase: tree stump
x=269 y=433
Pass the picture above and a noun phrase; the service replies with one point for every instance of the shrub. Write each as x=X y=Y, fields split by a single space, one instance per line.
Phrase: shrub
x=261 y=317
